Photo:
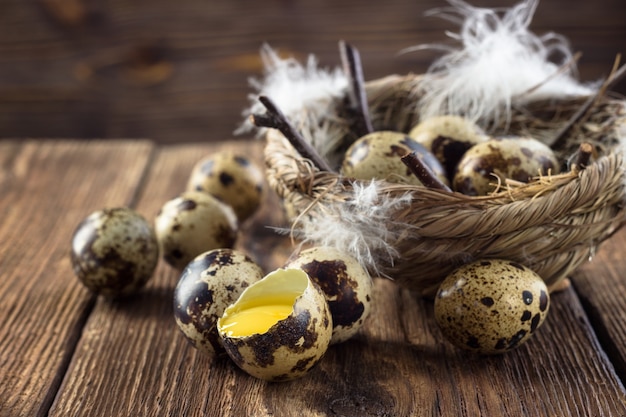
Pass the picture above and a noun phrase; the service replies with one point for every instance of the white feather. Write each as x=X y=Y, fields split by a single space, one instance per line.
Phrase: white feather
x=360 y=226
x=294 y=87
x=498 y=64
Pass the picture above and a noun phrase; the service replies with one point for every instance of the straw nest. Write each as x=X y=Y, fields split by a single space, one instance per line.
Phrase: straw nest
x=552 y=224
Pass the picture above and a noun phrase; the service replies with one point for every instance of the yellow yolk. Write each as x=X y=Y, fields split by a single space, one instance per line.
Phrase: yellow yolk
x=254 y=320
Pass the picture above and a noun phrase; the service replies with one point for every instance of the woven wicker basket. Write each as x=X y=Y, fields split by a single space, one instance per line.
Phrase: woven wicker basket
x=551 y=225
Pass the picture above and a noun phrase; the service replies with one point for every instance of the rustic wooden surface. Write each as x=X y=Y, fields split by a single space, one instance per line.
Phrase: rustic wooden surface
x=64 y=352
x=178 y=71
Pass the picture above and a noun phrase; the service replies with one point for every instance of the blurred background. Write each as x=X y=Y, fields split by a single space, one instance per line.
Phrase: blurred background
x=177 y=71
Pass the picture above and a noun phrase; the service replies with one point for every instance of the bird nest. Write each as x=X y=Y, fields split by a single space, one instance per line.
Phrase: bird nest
x=551 y=224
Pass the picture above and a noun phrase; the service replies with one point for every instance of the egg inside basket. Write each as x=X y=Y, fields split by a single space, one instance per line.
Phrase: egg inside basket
x=417 y=235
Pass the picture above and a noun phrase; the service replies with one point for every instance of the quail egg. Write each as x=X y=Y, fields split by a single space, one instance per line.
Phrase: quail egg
x=279 y=328
x=193 y=223
x=491 y=306
x=210 y=283
x=448 y=137
x=345 y=283
x=516 y=158
x=377 y=155
x=114 y=251
x=232 y=179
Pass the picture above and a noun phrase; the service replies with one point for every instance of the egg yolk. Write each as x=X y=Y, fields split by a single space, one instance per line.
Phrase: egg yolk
x=254 y=320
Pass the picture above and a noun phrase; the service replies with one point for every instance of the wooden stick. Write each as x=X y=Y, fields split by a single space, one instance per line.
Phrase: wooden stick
x=276 y=119
x=423 y=172
x=351 y=60
x=583 y=156
x=616 y=75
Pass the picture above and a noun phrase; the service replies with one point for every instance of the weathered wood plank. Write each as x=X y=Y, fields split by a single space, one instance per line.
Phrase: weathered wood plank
x=46 y=189
x=602 y=289
x=178 y=72
x=132 y=360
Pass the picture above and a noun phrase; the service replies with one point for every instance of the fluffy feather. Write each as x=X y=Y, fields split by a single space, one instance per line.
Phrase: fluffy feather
x=499 y=63
x=294 y=86
x=354 y=226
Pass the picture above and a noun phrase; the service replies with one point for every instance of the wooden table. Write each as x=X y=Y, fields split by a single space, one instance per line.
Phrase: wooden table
x=64 y=352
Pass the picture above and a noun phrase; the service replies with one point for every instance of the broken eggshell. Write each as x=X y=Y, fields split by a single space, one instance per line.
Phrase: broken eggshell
x=279 y=328
x=209 y=284
x=346 y=285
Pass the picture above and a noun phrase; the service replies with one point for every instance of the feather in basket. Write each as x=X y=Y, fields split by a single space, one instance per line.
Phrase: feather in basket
x=500 y=75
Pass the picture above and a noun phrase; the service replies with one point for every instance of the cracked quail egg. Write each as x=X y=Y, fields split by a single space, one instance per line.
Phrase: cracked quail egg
x=232 y=179
x=210 y=283
x=377 y=155
x=193 y=223
x=448 y=137
x=491 y=306
x=345 y=283
x=517 y=158
x=279 y=328
x=114 y=251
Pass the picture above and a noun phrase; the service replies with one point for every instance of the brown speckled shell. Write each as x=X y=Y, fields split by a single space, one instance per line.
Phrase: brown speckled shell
x=209 y=284
x=114 y=251
x=491 y=306
x=378 y=155
x=346 y=285
x=193 y=223
x=448 y=137
x=232 y=179
x=515 y=158
x=291 y=347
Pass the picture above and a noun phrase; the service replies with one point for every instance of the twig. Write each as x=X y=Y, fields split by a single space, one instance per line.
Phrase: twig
x=351 y=60
x=583 y=156
x=614 y=77
x=275 y=119
x=423 y=172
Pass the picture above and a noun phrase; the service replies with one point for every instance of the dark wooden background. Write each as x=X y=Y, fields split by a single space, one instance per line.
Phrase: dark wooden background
x=177 y=71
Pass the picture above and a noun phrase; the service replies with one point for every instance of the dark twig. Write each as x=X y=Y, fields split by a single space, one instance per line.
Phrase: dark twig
x=274 y=118
x=423 y=172
x=351 y=60
x=612 y=79
x=583 y=156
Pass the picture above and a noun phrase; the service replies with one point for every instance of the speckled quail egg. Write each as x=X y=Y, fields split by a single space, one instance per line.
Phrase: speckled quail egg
x=346 y=285
x=491 y=306
x=517 y=158
x=448 y=137
x=193 y=223
x=279 y=328
x=114 y=251
x=210 y=283
x=378 y=155
x=232 y=179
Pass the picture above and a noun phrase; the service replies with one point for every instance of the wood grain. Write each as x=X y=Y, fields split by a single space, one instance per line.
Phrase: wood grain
x=177 y=72
x=46 y=190
x=132 y=360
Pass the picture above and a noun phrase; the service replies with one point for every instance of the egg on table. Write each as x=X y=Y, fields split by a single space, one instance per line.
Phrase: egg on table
x=193 y=223
x=491 y=306
x=377 y=155
x=346 y=284
x=516 y=158
x=279 y=328
x=231 y=178
x=210 y=283
x=114 y=251
x=448 y=137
